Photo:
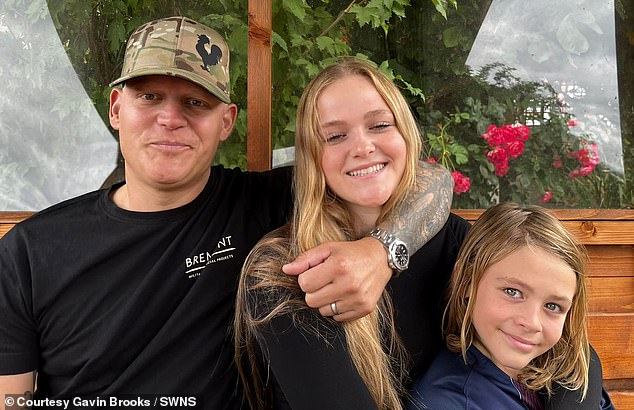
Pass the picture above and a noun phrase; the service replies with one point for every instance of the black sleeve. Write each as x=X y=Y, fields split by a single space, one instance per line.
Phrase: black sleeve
x=19 y=349
x=564 y=399
x=274 y=196
x=313 y=369
x=460 y=228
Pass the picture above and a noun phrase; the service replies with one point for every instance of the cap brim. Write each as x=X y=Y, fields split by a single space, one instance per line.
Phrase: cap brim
x=175 y=72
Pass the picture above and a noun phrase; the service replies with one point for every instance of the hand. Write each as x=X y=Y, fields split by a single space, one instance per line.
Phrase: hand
x=352 y=274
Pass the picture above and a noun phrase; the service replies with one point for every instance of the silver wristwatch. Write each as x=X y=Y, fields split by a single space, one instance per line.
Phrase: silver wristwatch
x=397 y=252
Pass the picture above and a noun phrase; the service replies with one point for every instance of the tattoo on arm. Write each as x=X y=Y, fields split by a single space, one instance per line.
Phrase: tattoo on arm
x=425 y=210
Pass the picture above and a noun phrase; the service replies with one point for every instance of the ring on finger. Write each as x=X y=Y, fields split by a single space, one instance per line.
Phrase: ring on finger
x=333 y=307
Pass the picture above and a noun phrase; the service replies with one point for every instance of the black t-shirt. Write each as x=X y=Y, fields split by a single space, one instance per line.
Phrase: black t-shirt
x=304 y=356
x=419 y=294
x=104 y=301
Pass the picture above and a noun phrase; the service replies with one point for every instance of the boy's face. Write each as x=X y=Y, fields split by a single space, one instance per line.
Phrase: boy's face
x=521 y=307
x=169 y=131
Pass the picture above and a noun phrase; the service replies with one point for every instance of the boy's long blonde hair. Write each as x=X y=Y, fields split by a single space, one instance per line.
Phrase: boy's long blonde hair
x=501 y=230
x=320 y=216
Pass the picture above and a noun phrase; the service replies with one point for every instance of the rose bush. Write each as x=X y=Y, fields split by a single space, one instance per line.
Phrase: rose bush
x=495 y=156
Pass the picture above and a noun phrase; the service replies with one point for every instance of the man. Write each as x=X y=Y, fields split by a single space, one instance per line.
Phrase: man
x=130 y=290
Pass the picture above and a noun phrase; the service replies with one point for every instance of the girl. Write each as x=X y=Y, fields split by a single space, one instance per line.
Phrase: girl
x=516 y=316
x=357 y=147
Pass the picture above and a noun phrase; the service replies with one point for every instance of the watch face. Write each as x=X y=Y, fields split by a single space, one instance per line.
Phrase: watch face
x=401 y=256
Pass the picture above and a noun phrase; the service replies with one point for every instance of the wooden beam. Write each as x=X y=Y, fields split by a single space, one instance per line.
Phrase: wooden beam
x=567 y=214
x=259 y=85
x=9 y=218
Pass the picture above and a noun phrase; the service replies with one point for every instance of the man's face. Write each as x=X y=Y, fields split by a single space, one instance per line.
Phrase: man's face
x=169 y=131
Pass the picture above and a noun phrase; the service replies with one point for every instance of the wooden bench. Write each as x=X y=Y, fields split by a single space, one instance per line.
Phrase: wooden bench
x=609 y=238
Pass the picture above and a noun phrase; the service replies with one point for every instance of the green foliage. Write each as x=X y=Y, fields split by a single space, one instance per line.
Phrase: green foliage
x=547 y=161
x=443 y=5
x=378 y=13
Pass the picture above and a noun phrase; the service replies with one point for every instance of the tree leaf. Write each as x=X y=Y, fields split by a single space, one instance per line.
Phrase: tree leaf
x=363 y=14
x=484 y=171
x=277 y=39
x=441 y=7
x=451 y=36
x=324 y=42
x=116 y=35
x=296 y=8
x=460 y=153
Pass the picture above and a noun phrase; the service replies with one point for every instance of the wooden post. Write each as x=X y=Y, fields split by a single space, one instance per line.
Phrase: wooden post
x=259 y=85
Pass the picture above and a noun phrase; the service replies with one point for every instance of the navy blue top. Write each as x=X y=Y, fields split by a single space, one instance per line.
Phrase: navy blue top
x=479 y=385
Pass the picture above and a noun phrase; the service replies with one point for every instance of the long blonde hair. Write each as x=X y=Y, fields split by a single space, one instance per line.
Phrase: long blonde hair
x=319 y=216
x=501 y=230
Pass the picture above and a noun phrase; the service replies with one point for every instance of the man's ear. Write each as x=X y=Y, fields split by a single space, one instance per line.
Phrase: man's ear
x=115 y=106
x=228 y=120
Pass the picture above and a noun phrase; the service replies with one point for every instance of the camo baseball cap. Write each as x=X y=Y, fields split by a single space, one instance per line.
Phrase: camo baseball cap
x=179 y=47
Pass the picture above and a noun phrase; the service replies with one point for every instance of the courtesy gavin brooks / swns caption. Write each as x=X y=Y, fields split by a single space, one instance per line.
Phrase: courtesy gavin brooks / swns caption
x=25 y=401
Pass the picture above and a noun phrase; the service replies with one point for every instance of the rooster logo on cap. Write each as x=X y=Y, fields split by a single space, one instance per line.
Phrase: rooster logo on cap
x=209 y=59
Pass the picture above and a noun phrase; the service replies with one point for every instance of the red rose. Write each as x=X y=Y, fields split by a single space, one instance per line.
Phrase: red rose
x=547 y=196
x=461 y=184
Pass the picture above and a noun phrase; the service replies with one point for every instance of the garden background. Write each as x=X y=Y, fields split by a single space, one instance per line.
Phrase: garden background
x=504 y=134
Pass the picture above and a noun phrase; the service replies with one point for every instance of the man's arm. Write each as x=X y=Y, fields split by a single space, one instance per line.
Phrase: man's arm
x=421 y=215
x=13 y=385
x=354 y=274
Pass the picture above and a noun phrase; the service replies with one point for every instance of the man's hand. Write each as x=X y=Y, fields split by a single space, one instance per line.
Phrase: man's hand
x=350 y=274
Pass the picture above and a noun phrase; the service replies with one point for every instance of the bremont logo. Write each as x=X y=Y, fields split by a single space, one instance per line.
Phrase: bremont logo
x=196 y=263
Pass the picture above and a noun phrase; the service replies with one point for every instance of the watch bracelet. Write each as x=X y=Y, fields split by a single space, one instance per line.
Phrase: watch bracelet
x=386 y=240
